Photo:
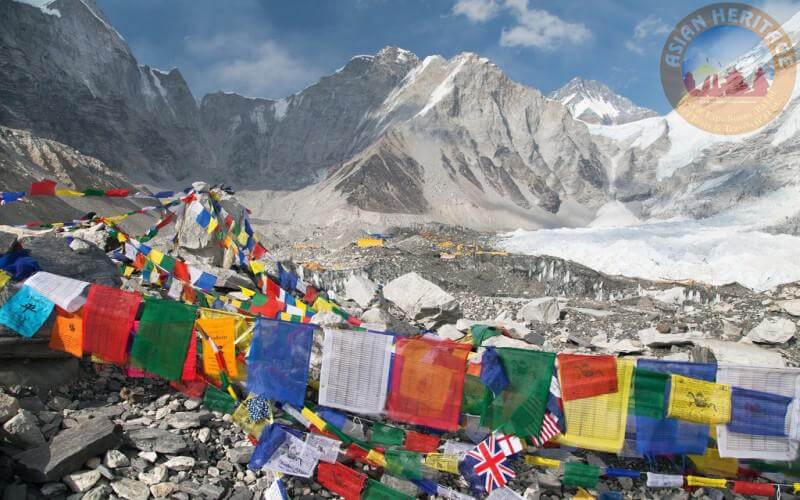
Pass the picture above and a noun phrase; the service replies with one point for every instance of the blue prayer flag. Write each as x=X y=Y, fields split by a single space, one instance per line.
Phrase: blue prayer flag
x=492 y=374
x=203 y=218
x=271 y=438
x=205 y=281
x=333 y=417
x=277 y=366
x=758 y=413
x=18 y=264
x=26 y=311
x=288 y=280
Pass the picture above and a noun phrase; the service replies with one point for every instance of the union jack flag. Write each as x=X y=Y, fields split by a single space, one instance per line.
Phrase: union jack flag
x=490 y=464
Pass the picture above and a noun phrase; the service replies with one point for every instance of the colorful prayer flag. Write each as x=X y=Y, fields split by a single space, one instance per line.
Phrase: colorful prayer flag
x=578 y=474
x=278 y=360
x=758 y=413
x=162 y=341
x=492 y=373
x=67 y=333
x=26 y=311
x=699 y=401
x=584 y=376
x=427 y=382
x=386 y=435
x=341 y=480
x=221 y=332
x=422 y=443
x=649 y=393
x=44 y=187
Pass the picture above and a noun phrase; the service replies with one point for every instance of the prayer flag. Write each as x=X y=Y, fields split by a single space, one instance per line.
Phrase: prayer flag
x=706 y=482
x=427 y=382
x=378 y=491
x=584 y=376
x=664 y=480
x=480 y=333
x=492 y=373
x=386 y=435
x=758 y=413
x=67 y=333
x=341 y=480
x=649 y=393
x=578 y=474
x=754 y=489
x=520 y=408
x=162 y=341
x=404 y=464
x=45 y=187
x=4 y=279
x=355 y=371
x=278 y=360
x=26 y=311
x=65 y=292
x=118 y=192
x=699 y=401
x=190 y=364
x=598 y=423
x=442 y=462
x=221 y=332
x=422 y=443
x=217 y=400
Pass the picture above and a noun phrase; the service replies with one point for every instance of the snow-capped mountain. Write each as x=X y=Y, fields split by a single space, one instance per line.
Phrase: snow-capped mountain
x=593 y=102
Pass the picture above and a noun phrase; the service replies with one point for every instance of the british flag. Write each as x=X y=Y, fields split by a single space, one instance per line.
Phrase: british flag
x=490 y=464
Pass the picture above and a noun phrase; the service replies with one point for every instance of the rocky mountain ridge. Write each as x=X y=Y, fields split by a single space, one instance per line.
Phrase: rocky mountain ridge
x=593 y=102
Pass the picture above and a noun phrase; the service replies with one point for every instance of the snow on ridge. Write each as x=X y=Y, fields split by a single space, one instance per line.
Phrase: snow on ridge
x=443 y=89
x=97 y=16
x=42 y=5
x=280 y=107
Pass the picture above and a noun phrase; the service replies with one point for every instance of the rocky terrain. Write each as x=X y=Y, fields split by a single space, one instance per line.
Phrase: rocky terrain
x=593 y=102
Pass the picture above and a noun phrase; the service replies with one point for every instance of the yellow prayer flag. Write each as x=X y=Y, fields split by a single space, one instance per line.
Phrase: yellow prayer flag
x=711 y=463
x=247 y=292
x=377 y=458
x=128 y=271
x=4 y=278
x=156 y=256
x=708 y=482
x=796 y=488
x=583 y=495
x=67 y=192
x=314 y=419
x=442 y=462
x=323 y=305
x=241 y=238
x=369 y=242
x=542 y=461
x=598 y=423
x=221 y=331
x=121 y=237
x=212 y=225
x=284 y=316
x=257 y=266
x=699 y=401
x=236 y=303
x=241 y=417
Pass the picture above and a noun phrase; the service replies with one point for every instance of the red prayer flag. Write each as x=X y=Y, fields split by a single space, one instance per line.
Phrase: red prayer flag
x=341 y=480
x=190 y=365
x=181 y=271
x=108 y=320
x=43 y=188
x=422 y=443
x=139 y=261
x=757 y=489
x=584 y=376
x=118 y=192
x=311 y=295
x=427 y=382
x=258 y=251
x=192 y=390
x=268 y=309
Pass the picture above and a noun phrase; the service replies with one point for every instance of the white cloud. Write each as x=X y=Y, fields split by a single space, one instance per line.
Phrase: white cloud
x=478 y=11
x=649 y=27
x=259 y=68
x=540 y=29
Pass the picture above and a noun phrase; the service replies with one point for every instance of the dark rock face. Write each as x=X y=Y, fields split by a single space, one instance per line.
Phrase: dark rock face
x=68 y=451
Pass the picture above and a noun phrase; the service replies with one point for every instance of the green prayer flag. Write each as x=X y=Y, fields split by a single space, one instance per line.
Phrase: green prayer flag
x=217 y=400
x=387 y=435
x=473 y=401
x=649 y=390
x=404 y=464
x=259 y=299
x=168 y=263
x=93 y=192
x=578 y=474
x=482 y=332
x=520 y=408
x=162 y=341
x=378 y=491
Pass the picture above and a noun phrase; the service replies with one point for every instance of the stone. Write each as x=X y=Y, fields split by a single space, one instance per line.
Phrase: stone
x=130 y=489
x=583 y=340
x=188 y=419
x=211 y=492
x=532 y=492
x=192 y=404
x=625 y=346
x=93 y=463
x=150 y=456
x=449 y=332
x=53 y=489
x=115 y=458
x=68 y=450
x=652 y=338
x=375 y=315
x=360 y=289
x=100 y=492
x=544 y=310
x=663 y=327
x=155 y=475
x=240 y=455
x=422 y=300
x=80 y=482
x=162 y=490
x=157 y=440
x=516 y=329
x=105 y=472
x=772 y=331
x=731 y=329
x=595 y=313
x=791 y=307
x=739 y=353
x=179 y=463
x=22 y=430
x=9 y=406
x=203 y=435
x=503 y=341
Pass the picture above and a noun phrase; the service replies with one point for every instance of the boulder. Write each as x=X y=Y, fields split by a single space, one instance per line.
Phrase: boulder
x=157 y=440
x=544 y=310
x=422 y=300
x=731 y=329
x=22 y=430
x=7 y=241
x=9 y=406
x=188 y=419
x=115 y=458
x=652 y=338
x=449 y=332
x=130 y=489
x=516 y=329
x=738 y=353
x=179 y=463
x=360 y=289
x=80 y=482
x=772 y=331
x=625 y=346
x=791 y=307
x=68 y=451
x=503 y=341
x=154 y=476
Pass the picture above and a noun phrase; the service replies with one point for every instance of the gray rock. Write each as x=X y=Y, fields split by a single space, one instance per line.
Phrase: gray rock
x=156 y=475
x=9 y=406
x=652 y=338
x=22 y=430
x=449 y=332
x=115 y=458
x=401 y=485
x=100 y=492
x=179 y=463
x=772 y=331
x=240 y=455
x=162 y=490
x=80 y=482
x=7 y=241
x=503 y=341
x=738 y=353
x=68 y=451
x=544 y=310
x=360 y=289
x=188 y=419
x=157 y=440
x=150 y=456
x=731 y=329
x=422 y=300
x=53 y=489
x=130 y=489
x=791 y=307
x=211 y=492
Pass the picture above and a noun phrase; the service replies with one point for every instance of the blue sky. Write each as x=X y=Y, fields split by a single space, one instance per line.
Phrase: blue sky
x=266 y=48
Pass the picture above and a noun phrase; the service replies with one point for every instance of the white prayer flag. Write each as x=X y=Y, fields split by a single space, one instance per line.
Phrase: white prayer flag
x=782 y=381
x=62 y=291
x=664 y=480
x=445 y=492
x=355 y=371
x=327 y=449
x=293 y=457
x=504 y=494
x=457 y=448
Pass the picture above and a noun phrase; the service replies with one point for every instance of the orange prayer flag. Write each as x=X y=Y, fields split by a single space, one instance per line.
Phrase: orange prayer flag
x=67 y=333
x=222 y=332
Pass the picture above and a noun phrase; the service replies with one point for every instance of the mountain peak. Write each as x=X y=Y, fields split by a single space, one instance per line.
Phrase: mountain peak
x=593 y=102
